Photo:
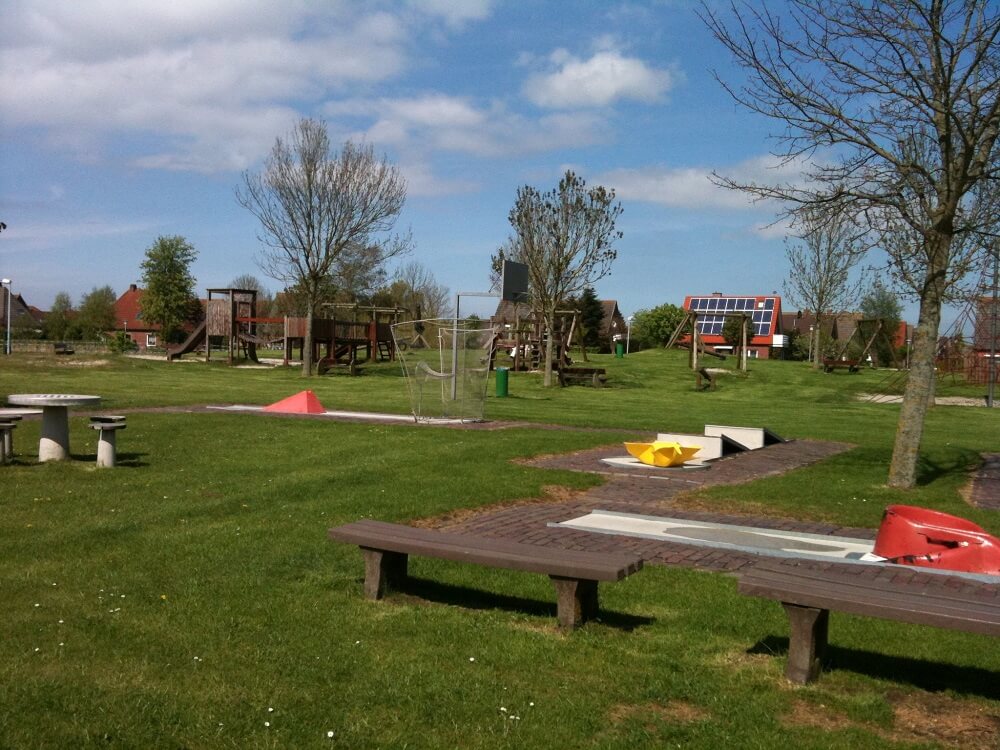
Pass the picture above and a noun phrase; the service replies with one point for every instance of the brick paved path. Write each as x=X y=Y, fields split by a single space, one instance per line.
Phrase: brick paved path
x=986 y=483
x=649 y=492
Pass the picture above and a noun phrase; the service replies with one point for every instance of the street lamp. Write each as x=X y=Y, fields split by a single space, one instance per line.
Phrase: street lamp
x=628 y=333
x=7 y=283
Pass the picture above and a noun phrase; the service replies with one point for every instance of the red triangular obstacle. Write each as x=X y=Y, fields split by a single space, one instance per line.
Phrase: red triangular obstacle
x=303 y=402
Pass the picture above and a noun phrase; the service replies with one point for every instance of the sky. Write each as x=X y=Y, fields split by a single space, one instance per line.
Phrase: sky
x=126 y=120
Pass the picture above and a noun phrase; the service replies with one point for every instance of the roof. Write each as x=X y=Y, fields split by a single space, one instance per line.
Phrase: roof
x=128 y=311
x=712 y=309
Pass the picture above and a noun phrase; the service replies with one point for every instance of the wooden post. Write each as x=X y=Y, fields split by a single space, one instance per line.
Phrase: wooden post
x=576 y=601
x=695 y=341
x=383 y=571
x=807 y=640
x=743 y=343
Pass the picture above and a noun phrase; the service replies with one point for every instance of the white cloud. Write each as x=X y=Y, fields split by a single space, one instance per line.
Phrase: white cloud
x=215 y=82
x=437 y=122
x=693 y=188
x=603 y=79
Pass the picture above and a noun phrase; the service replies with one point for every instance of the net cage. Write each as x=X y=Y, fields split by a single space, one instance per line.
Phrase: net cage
x=446 y=364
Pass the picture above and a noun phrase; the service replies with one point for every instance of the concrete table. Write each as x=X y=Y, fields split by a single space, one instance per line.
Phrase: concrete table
x=54 y=442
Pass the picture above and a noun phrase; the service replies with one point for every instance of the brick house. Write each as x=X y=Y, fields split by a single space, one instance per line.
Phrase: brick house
x=128 y=319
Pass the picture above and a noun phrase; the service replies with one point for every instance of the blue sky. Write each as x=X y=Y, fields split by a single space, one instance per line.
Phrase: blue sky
x=124 y=120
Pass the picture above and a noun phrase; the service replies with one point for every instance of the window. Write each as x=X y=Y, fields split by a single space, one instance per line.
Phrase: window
x=150 y=339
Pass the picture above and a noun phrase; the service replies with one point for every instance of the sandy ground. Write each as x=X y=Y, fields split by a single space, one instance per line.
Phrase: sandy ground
x=882 y=398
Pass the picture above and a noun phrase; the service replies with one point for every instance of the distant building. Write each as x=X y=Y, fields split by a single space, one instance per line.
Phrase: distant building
x=985 y=342
x=764 y=311
x=21 y=313
x=128 y=319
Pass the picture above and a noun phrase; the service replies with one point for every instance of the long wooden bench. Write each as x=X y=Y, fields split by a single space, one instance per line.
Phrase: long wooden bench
x=575 y=574
x=808 y=593
x=595 y=376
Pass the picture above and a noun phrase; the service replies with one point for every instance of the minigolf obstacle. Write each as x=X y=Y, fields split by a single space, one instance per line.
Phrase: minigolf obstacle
x=303 y=402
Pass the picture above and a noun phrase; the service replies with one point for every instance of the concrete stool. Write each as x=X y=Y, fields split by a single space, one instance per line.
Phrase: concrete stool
x=106 y=426
x=7 y=443
x=8 y=434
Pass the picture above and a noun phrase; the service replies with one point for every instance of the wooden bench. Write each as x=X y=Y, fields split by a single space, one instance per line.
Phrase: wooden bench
x=575 y=574
x=829 y=365
x=595 y=376
x=61 y=347
x=808 y=593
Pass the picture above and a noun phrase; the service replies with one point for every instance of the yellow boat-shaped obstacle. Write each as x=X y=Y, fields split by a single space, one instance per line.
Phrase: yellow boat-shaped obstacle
x=662 y=453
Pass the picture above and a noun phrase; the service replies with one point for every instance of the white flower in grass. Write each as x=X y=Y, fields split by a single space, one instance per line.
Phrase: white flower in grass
x=472 y=658
x=330 y=734
x=267 y=723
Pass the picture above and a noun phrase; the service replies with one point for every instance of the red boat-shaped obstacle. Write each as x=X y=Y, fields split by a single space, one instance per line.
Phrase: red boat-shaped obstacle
x=917 y=536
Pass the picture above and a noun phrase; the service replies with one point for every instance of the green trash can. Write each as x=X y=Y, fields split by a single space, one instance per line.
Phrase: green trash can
x=502 y=374
x=619 y=349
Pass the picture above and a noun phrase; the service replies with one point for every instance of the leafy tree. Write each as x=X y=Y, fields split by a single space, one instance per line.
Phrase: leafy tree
x=591 y=318
x=901 y=97
x=732 y=332
x=566 y=238
x=324 y=216
x=121 y=343
x=96 y=316
x=881 y=303
x=820 y=264
x=169 y=297
x=655 y=326
x=59 y=320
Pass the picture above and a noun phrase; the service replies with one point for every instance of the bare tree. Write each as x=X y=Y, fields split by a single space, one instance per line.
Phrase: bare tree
x=820 y=265
x=324 y=214
x=566 y=238
x=419 y=292
x=893 y=108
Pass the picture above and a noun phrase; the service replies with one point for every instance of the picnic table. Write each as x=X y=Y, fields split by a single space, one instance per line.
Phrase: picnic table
x=53 y=445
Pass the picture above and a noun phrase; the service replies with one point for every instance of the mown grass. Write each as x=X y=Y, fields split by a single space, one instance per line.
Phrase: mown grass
x=173 y=601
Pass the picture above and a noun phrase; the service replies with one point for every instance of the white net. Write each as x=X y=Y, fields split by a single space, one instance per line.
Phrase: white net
x=446 y=366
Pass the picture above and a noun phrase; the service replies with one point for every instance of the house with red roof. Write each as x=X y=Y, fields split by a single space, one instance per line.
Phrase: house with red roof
x=128 y=319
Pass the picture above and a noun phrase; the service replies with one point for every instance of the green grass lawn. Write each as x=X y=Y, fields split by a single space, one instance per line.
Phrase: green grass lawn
x=189 y=598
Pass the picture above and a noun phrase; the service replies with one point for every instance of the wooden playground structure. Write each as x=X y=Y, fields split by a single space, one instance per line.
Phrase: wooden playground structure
x=232 y=324
x=524 y=340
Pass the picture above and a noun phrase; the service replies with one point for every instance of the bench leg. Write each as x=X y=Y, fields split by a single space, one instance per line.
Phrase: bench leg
x=8 y=446
x=576 y=601
x=806 y=643
x=383 y=570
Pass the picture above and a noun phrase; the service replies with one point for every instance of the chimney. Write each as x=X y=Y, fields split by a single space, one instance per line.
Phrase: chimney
x=132 y=287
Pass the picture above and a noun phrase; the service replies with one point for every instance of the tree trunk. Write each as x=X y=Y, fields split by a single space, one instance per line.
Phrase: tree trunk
x=307 y=346
x=550 y=324
x=919 y=393
x=814 y=335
